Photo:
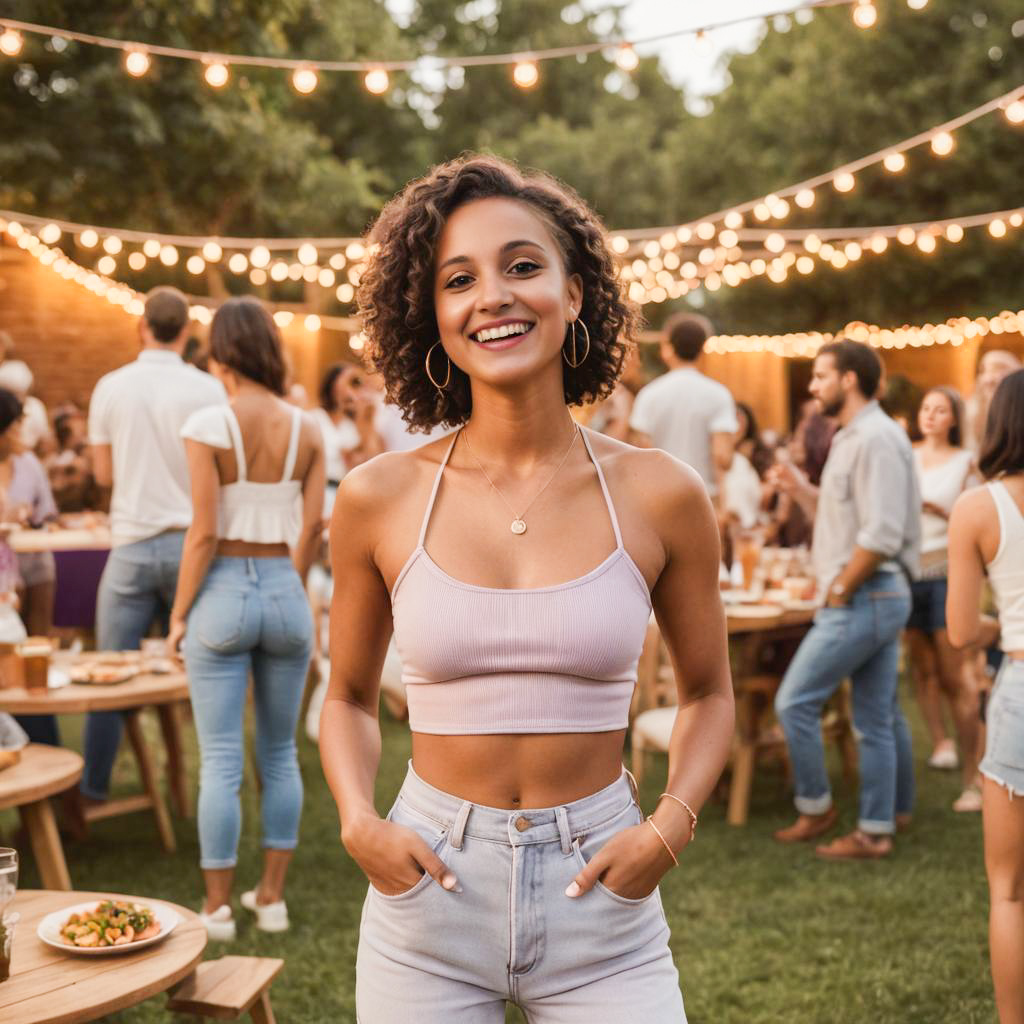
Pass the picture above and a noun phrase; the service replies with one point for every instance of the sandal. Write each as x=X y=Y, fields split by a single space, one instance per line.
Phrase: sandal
x=969 y=801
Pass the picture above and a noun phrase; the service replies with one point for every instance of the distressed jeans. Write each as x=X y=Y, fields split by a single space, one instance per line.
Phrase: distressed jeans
x=861 y=642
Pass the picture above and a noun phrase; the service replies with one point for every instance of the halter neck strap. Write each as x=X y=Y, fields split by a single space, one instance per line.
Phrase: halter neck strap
x=604 y=488
x=437 y=485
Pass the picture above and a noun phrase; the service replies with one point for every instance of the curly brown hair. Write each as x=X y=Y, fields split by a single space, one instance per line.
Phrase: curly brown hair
x=396 y=291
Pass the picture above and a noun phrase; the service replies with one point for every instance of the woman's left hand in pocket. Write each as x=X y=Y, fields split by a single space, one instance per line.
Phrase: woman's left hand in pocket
x=175 y=635
x=630 y=864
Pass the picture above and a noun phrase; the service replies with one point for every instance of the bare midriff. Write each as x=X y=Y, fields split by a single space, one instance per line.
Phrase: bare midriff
x=1016 y=655
x=247 y=549
x=518 y=771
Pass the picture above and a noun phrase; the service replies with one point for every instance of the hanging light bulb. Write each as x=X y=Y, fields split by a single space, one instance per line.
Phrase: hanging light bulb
x=943 y=144
x=260 y=256
x=216 y=74
x=49 y=234
x=926 y=242
x=997 y=228
x=762 y=212
x=151 y=247
x=312 y=322
x=106 y=265
x=136 y=260
x=894 y=163
x=212 y=252
x=195 y=264
x=136 y=63
x=168 y=255
x=1015 y=112
x=865 y=14
x=844 y=182
x=112 y=244
x=307 y=254
x=917 y=5
x=804 y=198
x=88 y=238
x=626 y=58
x=734 y=219
x=238 y=263
x=10 y=42
x=525 y=74
x=954 y=233
x=304 y=80
x=377 y=81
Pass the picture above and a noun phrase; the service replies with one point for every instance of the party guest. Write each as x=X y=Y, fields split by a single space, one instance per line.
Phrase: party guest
x=135 y=420
x=993 y=367
x=944 y=469
x=257 y=472
x=986 y=539
x=866 y=542
x=517 y=564
x=36 y=435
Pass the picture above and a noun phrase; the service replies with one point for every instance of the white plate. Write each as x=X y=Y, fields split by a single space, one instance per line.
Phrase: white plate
x=49 y=928
x=754 y=611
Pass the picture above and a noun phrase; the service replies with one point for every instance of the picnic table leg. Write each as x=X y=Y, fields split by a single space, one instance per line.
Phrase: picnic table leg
x=147 y=771
x=177 y=778
x=42 y=829
x=261 y=1011
x=744 y=756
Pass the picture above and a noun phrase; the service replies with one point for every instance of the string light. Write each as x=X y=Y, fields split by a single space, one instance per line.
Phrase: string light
x=894 y=163
x=844 y=182
x=168 y=255
x=50 y=233
x=112 y=245
x=10 y=42
x=307 y=254
x=304 y=80
x=864 y=14
x=136 y=260
x=626 y=58
x=525 y=74
x=216 y=74
x=195 y=264
x=312 y=322
x=88 y=238
x=260 y=256
x=997 y=229
x=954 y=233
x=238 y=263
x=136 y=63
x=377 y=81
x=943 y=144
x=917 y=5
x=106 y=265
x=804 y=198
x=1015 y=112
x=212 y=252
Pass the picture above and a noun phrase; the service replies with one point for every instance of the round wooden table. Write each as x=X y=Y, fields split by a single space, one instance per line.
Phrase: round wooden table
x=32 y=541
x=165 y=693
x=48 y=986
x=28 y=785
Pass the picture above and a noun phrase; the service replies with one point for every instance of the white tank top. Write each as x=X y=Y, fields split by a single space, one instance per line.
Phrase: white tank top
x=261 y=513
x=1006 y=570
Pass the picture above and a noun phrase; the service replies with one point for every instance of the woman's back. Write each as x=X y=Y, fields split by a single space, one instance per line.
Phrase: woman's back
x=1006 y=567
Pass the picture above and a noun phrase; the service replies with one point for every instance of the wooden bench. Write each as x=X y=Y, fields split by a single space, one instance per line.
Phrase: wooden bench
x=224 y=989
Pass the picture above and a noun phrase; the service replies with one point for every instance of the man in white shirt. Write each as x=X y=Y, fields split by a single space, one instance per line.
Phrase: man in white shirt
x=684 y=412
x=135 y=420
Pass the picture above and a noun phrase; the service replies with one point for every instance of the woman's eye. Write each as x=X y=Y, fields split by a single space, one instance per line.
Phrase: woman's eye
x=458 y=281
x=524 y=267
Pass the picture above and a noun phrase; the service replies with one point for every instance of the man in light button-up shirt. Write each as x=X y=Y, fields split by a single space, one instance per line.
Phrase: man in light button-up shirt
x=866 y=542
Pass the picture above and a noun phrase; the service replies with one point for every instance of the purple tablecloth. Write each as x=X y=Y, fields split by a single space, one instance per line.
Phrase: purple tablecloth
x=78 y=578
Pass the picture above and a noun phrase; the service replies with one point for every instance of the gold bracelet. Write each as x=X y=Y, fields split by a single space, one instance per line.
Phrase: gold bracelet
x=664 y=841
x=689 y=810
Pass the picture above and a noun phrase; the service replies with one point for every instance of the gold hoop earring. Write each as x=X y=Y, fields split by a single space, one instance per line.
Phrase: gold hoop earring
x=574 y=362
x=430 y=376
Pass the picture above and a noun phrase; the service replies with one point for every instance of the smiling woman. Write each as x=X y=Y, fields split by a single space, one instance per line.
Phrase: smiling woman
x=398 y=292
x=516 y=865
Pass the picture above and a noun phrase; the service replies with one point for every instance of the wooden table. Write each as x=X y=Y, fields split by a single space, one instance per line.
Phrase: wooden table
x=33 y=541
x=50 y=987
x=760 y=649
x=41 y=773
x=164 y=693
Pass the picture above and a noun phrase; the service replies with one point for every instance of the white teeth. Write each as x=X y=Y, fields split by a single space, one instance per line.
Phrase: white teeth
x=494 y=333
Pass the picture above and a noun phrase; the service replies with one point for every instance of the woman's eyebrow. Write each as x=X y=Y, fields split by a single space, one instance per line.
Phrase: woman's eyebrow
x=516 y=244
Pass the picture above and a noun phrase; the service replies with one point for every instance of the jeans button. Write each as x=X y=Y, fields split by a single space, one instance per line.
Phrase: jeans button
x=522 y=823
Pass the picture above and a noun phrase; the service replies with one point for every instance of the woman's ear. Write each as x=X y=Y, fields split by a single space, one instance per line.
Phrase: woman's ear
x=574 y=292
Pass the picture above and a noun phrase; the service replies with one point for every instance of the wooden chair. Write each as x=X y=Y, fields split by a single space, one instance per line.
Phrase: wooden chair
x=225 y=989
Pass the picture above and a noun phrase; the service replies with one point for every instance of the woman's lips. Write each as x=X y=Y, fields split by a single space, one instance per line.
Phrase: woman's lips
x=500 y=344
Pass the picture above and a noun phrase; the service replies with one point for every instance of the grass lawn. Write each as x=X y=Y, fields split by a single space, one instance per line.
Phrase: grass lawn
x=760 y=932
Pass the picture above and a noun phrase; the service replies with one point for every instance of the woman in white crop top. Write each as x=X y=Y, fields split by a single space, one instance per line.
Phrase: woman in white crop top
x=257 y=470
x=986 y=538
x=944 y=469
x=515 y=865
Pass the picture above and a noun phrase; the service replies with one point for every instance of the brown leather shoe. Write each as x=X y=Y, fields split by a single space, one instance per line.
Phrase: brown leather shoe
x=856 y=846
x=807 y=827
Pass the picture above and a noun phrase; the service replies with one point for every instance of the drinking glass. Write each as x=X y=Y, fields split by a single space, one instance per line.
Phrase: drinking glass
x=748 y=545
x=8 y=876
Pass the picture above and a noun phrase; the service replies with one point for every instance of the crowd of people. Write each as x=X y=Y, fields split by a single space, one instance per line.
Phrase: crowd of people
x=450 y=522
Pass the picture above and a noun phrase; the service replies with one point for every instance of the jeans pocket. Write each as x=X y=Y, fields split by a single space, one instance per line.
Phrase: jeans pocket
x=432 y=832
x=219 y=620
x=1006 y=725
x=595 y=839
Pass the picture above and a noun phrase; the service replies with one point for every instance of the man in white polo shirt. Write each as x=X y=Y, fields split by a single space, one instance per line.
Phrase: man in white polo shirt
x=683 y=412
x=135 y=420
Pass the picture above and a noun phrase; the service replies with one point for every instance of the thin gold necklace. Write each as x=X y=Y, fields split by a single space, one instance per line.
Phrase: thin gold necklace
x=518 y=525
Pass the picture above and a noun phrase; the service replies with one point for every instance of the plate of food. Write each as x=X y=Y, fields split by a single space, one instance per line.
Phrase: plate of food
x=103 y=673
x=99 y=928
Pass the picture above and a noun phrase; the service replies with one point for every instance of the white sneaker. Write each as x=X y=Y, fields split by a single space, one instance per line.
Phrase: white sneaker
x=944 y=758
x=270 y=917
x=219 y=924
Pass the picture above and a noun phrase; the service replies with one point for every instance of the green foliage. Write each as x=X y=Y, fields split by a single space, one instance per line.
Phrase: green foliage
x=80 y=139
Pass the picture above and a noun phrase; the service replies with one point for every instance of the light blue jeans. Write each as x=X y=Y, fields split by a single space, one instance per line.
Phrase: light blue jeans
x=137 y=587
x=512 y=935
x=1003 y=762
x=860 y=641
x=251 y=616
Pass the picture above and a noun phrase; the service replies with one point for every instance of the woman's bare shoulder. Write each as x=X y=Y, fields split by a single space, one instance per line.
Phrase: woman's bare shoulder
x=376 y=484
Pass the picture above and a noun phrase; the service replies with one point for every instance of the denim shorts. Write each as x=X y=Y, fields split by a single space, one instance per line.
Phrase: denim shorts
x=437 y=957
x=1004 y=742
x=928 y=612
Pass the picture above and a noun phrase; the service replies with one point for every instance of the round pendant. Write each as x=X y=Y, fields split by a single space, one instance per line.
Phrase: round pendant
x=518 y=526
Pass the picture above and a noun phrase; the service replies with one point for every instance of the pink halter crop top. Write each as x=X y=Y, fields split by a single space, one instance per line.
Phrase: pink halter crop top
x=493 y=660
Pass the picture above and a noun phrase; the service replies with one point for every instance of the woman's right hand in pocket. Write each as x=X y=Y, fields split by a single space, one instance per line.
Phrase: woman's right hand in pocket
x=394 y=858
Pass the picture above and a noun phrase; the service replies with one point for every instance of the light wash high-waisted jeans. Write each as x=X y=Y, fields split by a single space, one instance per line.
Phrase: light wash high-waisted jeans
x=1004 y=738
x=251 y=615
x=438 y=957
